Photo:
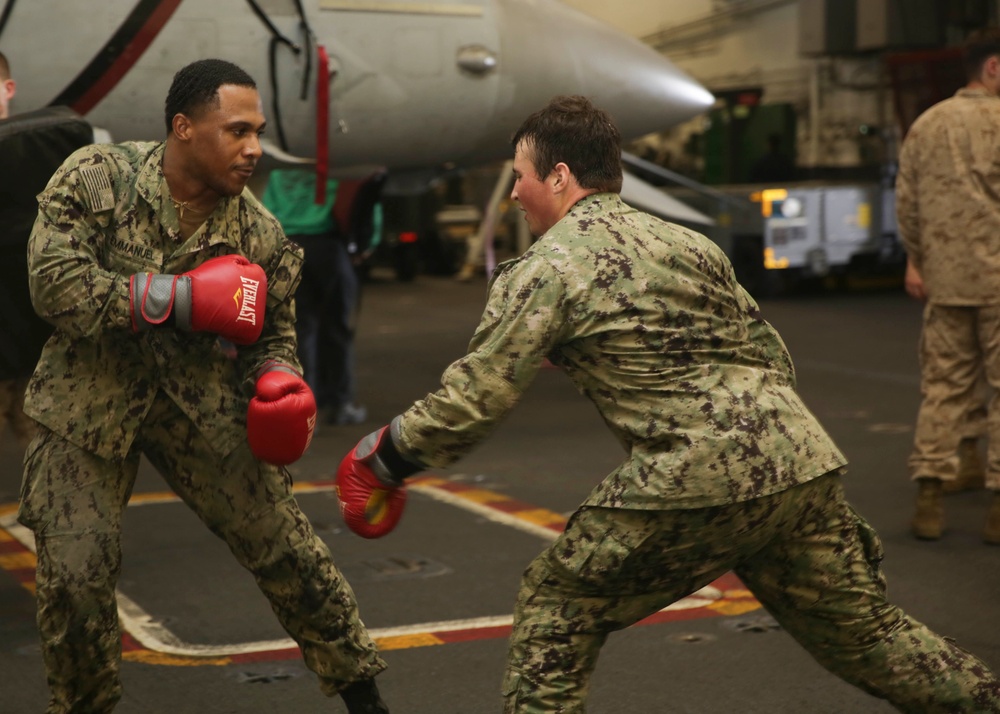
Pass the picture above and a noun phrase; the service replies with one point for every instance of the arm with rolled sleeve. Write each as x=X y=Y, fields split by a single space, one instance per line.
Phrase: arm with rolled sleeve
x=524 y=319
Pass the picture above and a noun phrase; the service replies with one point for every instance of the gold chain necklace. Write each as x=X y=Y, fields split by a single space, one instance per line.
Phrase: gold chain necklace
x=184 y=206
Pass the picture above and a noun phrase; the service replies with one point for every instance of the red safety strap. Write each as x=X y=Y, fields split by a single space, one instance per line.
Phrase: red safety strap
x=322 y=124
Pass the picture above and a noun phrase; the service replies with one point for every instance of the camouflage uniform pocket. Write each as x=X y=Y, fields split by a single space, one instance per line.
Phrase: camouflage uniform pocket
x=874 y=552
x=602 y=542
x=604 y=562
x=31 y=503
x=523 y=695
x=509 y=689
x=285 y=278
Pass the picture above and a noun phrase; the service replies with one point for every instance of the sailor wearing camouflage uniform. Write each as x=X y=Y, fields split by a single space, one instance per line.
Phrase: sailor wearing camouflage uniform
x=726 y=469
x=948 y=212
x=110 y=387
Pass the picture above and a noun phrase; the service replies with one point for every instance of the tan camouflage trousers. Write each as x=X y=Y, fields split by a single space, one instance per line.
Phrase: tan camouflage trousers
x=74 y=501
x=959 y=346
x=805 y=554
x=974 y=426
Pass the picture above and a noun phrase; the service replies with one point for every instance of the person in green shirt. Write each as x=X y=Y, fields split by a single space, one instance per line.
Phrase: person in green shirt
x=326 y=302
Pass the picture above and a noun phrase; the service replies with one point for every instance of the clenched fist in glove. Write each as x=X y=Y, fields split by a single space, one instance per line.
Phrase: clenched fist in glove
x=281 y=416
x=370 y=485
x=224 y=295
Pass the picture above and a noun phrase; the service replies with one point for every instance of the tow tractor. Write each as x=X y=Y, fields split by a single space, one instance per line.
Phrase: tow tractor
x=814 y=231
x=779 y=235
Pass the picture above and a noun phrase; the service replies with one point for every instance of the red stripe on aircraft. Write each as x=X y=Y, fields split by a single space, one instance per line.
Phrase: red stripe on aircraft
x=129 y=56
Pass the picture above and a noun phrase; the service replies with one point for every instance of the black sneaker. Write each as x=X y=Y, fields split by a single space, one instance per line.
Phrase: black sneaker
x=363 y=698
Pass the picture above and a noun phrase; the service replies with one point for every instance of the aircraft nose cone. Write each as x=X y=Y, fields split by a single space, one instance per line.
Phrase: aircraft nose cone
x=549 y=48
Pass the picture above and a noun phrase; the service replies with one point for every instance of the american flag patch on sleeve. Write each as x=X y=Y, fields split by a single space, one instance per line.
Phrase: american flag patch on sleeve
x=98 y=184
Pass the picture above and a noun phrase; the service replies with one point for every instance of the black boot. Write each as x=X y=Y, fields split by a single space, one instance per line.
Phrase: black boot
x=363 y=698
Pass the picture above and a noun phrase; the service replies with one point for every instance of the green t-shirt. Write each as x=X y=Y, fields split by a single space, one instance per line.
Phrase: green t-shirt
x=291 y=196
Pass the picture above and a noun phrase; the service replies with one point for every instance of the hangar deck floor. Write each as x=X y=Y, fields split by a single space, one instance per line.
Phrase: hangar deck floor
x=438 y=592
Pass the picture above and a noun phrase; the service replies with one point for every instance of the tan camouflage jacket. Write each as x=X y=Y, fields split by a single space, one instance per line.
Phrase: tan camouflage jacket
x=649 y=322
x=105 y=215
x=948 y=198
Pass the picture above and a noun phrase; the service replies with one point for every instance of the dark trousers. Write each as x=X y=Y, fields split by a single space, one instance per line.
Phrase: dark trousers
x=325 y=306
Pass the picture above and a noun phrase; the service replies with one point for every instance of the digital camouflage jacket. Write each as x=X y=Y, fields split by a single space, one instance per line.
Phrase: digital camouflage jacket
x=648 y=321
x=105 y=215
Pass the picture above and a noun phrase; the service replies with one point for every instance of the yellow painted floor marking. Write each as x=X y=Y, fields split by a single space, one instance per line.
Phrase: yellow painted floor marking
x=150 y=657
x=481 y=495
x=17 y=561
x=405 y=642
x=541 y=517
x=539 y=521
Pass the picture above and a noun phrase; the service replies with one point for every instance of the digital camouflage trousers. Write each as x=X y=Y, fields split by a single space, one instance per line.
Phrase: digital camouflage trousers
x=74 y=501
x=806 y=555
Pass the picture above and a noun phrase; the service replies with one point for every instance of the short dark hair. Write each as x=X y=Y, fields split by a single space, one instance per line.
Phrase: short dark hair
x=197 y=86
x=4 y=67
x=979 y=46
x=573 y=131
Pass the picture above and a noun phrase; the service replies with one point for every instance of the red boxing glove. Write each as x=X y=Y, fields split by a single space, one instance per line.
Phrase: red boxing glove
x=371 y=504
x=224 y=295
x=281 y=417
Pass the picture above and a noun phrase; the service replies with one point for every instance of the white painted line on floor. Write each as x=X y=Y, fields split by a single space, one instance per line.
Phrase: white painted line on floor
x=153 y=635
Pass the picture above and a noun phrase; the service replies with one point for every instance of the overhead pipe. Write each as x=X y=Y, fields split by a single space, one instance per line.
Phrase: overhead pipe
x=671 y=37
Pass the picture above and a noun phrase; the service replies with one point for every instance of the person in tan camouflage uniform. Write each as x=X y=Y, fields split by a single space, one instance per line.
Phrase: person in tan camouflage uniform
x=104 y=393
x=948 y=212
x=725 y=468
x=971 y=472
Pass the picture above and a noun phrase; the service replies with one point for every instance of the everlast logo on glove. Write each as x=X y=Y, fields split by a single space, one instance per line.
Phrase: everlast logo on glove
x=248 y=306
x=311 y=426
x=198 y=300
